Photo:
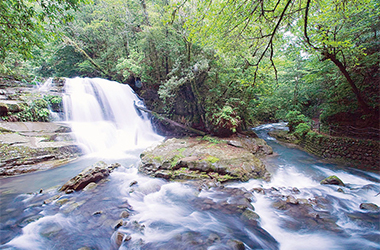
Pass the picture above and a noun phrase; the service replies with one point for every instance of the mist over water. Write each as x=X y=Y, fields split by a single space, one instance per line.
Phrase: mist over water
x=171 y=215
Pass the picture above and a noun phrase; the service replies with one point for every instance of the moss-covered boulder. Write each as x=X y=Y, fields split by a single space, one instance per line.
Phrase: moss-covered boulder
x=201 y=158
x=332 y=180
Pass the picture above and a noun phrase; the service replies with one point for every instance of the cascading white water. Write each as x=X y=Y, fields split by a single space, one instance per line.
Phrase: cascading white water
x=104 y=118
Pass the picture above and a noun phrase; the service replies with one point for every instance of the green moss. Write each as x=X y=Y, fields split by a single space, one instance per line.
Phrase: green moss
x=181 y=150
x=174 y=160
x=212 y=159
x=210 y=139
x=158 y=158
x=224 y=178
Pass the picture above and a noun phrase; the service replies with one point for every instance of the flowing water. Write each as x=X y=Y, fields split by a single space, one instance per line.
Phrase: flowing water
x=157 y=214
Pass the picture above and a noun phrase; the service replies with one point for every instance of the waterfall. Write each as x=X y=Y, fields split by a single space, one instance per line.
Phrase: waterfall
x=104 y=118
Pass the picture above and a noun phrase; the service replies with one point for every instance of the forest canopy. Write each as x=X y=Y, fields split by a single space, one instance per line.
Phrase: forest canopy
x=216 y=65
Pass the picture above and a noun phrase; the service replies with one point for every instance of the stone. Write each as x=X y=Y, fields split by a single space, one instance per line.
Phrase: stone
x=290 y=199
x=50 y=200
x=62 y=201
x=132 y=183
x=24 y=147
x=119 y=238
x=340 y=190
x=30 y=219
x=97 y=213
x=118 y=224
x=370 y=207
x=124 y=214
x=90 y=186
x=296 y=190
x=94 y=173
x=213 y=238
x=236 y=244
x=332 y=180
x=199 y=159
x=250 y=216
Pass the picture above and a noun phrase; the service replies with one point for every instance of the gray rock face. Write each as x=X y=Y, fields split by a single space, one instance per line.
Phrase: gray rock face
x=195 y=158
x=31 y=146
x=92 y=174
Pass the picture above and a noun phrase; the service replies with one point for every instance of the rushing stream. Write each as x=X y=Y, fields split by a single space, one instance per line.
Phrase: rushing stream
x=296 y=212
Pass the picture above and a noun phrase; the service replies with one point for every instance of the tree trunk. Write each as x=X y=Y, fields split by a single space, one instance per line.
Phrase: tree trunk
x=143 y=4
x=342 y=68
x=160 y=117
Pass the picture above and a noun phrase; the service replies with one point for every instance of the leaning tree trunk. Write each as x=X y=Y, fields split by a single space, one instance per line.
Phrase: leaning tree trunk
x=367 y=109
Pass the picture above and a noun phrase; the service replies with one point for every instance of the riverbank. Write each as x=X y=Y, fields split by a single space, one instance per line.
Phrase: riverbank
x=358 y=153
x=32 y=146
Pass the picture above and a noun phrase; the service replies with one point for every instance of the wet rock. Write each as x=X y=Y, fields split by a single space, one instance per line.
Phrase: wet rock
x=62 y=201
x=124 y=214
x=281 y=205
x=132 y=183
x=50 y=230
x=370 y=207
x=332 y=180
x=236 y=244
x=94 y=173
x=69 y=191
x=90 y=186
x=296 y=190
x=97 y=213
x=340 y=190
x=250 y=216
x=290 y=199
x=50 y=200
x=194 y=158
x=120 y=238
x=118 y=224
x=30 y=219
x=213 y=238
x=24 y=147
x=258 y=190
x=71 y=206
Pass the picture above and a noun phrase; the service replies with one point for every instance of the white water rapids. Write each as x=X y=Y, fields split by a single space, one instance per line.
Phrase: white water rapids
x=169 y=215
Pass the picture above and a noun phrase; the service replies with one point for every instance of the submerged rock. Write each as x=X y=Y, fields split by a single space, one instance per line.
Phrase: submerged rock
x=94 y=174
x=197 y=158
x=332 y=180
x=370 y=207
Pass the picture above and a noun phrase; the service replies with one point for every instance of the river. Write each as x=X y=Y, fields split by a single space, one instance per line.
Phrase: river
x=296 y=212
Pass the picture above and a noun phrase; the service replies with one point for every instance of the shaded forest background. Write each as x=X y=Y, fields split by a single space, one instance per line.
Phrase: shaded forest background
x=217 y=66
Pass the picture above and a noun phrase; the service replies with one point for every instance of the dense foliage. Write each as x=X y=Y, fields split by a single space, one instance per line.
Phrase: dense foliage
x=219 y=66
x=29 y=24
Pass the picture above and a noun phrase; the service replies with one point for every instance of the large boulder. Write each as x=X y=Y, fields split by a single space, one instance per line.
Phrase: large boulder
x=92 y=174
x=200 y=158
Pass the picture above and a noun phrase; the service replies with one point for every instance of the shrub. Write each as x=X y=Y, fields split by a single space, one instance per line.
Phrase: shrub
x=38 y=110
x=295 y=118
x=301 y=130
x=226 y=120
